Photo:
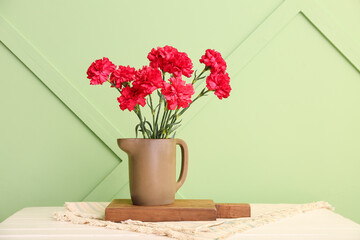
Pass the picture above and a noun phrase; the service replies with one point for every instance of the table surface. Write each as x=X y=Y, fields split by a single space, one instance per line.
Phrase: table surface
x=37 y=223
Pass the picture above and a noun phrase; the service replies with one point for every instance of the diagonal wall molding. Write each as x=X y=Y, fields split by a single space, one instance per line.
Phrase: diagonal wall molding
x=272 y=26
x=110 y=185
x=247 y=50
x=65 y=91
x=238 y=59
x=59 y=85
x=332 y=31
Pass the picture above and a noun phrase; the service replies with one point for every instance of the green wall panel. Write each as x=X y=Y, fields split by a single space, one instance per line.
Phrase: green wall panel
x=346 y=14
x=48 y=156
x=288 y=133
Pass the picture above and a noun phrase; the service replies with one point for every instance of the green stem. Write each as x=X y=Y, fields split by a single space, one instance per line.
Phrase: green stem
x=140 y=117
x=157 y=116
x=161 y=129
x=201 y=94
x=176 y=115
x=197 y=78
x=114 y=85
x=153 y=117
x=167 y=123
x=172 y=119
x=137 y=109
x=163 y=121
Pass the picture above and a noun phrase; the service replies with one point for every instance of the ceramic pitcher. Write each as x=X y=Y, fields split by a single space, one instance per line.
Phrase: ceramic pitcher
x=152 y=169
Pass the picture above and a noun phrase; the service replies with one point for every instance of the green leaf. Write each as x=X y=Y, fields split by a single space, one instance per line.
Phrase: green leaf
x=173 y=124
x=148 y=132
x=155 y=130
x=149 y=124
x=173 y=129
x=147 y=102
x=156 y=107
x=137 y=129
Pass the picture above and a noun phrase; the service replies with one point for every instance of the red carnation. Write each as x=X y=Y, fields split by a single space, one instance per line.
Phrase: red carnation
x=148 y=79
x=170 y=60
x=100 y=70
x=122 y=75
x=214 y=60
x=160 y=56
x=177 y=93
x=130 y=96
x=183 y=66
x=220 y=83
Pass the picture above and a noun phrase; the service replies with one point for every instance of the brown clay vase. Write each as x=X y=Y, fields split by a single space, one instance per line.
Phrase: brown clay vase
x=152 y=169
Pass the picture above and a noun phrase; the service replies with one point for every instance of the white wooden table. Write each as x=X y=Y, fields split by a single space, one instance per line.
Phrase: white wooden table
x=37 y=223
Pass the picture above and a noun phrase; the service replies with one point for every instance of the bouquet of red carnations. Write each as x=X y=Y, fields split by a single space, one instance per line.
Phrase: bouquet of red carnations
x=174 y=95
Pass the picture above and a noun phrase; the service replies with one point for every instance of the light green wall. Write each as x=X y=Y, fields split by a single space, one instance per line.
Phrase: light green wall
x=289 y=133
x=48 y=155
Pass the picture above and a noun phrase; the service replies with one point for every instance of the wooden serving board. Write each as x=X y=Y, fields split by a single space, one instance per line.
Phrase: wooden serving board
x=232 y=210
x=181 y=210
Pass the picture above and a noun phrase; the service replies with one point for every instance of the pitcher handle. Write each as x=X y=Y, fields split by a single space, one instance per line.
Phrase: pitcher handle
x=184 y=162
